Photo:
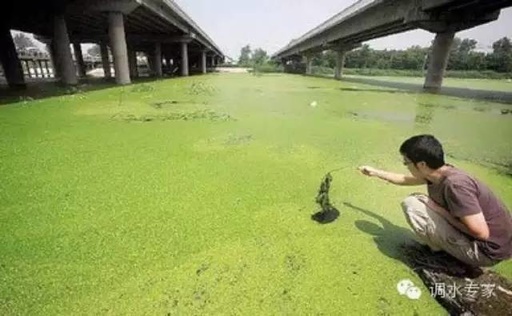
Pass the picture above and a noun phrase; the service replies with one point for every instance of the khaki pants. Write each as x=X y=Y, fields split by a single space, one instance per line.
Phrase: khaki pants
x=436 y=232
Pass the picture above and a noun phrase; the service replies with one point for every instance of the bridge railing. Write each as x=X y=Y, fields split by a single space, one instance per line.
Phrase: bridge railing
x=336 y=19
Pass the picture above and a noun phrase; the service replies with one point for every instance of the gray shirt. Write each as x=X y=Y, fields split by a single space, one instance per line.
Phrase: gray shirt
x=463 y=195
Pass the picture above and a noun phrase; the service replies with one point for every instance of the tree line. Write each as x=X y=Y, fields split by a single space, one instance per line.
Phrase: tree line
x=463 y=56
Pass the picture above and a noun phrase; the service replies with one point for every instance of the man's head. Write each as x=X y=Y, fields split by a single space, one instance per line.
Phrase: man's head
x=422 y=154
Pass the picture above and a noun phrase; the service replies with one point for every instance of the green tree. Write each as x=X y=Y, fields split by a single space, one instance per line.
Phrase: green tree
x=245 y=56
x=259 y=57
x=501 y=58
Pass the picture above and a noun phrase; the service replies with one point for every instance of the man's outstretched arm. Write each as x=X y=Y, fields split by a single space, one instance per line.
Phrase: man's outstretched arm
x=391 y=177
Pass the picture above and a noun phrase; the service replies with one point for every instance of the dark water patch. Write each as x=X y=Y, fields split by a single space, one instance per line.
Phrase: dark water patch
x=159 y=105
x=384 y=116
x=437 y=106
x=374 y=90
x=206 y=115
x=238 y=139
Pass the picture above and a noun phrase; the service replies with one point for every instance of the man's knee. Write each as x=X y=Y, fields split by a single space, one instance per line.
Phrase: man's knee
x=416 y=215
x=412 y=204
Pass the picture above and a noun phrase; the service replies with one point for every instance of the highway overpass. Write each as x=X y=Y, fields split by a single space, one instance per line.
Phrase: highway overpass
x=160 y=28
x=370 y=19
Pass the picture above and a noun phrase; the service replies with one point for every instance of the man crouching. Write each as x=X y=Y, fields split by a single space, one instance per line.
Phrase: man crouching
x=460 y=215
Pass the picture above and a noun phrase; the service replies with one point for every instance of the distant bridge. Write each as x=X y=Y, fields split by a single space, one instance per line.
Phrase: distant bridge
x=369 y=19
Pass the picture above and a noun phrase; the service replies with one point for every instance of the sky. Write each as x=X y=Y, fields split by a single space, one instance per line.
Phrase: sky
x=271 y=24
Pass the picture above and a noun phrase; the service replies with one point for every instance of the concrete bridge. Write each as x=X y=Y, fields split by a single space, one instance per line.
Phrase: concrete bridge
x=369 y=19
x=158 y=28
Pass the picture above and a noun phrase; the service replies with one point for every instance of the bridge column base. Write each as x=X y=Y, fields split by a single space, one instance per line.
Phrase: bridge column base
x=67 y=70
x=184 y=59
x=203 y=61
x=157 y=60
x=340 y=63
x=79 y=57
x=118 y=45
x=11 y=64
x=105 y=61
x=309 y=64
x=438 y=61
x=132 y=59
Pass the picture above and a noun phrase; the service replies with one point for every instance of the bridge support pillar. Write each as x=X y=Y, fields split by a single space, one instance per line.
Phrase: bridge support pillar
x=51 y=50
x=168 y=63
x=157 y=60
x=41 y=68
x=36 y=70
x=105 y=60
x=438 y=60
x=9 y=58
x=132 y=59
x=309 y=64
x=118 y=45
x=203 y=61
x=184 y=59
x=47 y=69
x=79 y=57
x=340 y=63
x=213 y=61
x=27 y=65
x=62 y=52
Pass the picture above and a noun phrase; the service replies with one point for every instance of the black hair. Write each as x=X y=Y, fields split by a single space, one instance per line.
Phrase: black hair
x=424 y=148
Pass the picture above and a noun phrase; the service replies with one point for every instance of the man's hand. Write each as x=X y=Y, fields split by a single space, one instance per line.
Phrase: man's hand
x=368 y=171
x=391 y=177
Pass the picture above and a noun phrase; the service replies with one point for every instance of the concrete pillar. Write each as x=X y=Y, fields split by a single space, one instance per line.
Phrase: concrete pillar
x=203 y=61
x=438 y=60
x=46 y=69
x=36 y=70
x=132 y=59
x=151 y=63
x=157 y=59
x=340 y=63
x=184 y=59
x=63 y=52
x=11 y=65
x=105 y=61
x=79 y=57
x=309 y=64
x=39 y=65
x=27 y=66
x=51 y=50
x=118 y=46
x=168 y=64
x=41 y=68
